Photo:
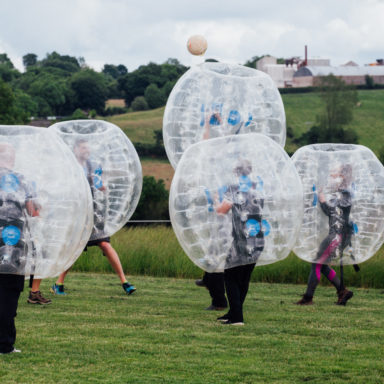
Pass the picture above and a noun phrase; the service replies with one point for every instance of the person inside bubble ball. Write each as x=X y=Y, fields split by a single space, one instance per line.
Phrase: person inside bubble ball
x=233 y=124
x=246 y=204
x=17 y=203
x=94 y=176
x=337 y=207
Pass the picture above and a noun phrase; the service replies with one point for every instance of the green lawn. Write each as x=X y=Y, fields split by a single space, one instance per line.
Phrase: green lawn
x=161 y=334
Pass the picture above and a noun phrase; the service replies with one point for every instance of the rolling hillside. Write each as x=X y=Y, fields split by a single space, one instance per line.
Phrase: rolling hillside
x=301 y=111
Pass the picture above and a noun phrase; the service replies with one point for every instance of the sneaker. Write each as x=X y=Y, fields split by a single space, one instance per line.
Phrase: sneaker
x=13 y=351
x=58 y=289
x=37 y=298
x=344 y=296
x=229 y=322
x=223 y=318
x=128 y=288
x=200 y=283
x=305 y=300
x=214 y=308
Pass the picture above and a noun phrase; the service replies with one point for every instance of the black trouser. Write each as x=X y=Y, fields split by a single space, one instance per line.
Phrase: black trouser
x=236 y=284
x=10 y=288
x=215 y=285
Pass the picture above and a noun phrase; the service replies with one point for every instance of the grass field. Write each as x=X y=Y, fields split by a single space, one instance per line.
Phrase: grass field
x=162 y=334
x=155 y=251
x=300 y=109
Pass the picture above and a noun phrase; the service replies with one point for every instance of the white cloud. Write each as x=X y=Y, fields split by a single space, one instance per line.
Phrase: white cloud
x=134 y=32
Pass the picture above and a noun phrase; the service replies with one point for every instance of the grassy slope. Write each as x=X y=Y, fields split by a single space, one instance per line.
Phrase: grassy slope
x=139 y=126
x=161 y=334
x=301 y=110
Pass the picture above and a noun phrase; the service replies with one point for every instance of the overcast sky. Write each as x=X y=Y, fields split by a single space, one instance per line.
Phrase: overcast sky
x=135 y=32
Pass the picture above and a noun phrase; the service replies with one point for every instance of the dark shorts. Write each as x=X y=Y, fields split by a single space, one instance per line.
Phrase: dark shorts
x=96 y=242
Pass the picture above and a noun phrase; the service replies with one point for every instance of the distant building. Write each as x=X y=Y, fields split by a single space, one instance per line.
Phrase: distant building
x=281 y=74
x=308 y=76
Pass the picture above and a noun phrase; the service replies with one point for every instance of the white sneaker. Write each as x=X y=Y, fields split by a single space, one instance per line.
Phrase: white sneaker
x=14 y=351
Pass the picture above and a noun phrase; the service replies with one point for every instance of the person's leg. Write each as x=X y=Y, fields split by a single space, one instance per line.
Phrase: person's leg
x=58 y=287
x=35 y=296
x=10 y=289
x=215 y=284
x=232 y=287
x=61 y=278
x=113 y=259
x=330 y=274
x=313 y=280
x=246 y=278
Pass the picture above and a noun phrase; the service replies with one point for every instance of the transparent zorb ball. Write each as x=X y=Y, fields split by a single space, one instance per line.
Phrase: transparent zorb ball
x=236 y=200
x=343 y=218
x=45 y=203
x=112 y=168
x=216 y=99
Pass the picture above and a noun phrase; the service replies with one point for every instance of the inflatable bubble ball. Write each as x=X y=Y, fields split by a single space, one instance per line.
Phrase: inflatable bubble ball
x=236 y=200
x=343 y=188
x=215 y=99
x=45 y=203
x=112 y=167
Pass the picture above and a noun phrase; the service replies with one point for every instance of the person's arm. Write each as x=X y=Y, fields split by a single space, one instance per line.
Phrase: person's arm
x=223 y=207
x=323 y=204
x=32 y=208
x=207 y=124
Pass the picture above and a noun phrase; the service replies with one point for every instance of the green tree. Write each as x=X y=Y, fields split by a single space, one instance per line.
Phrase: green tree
x=115 y=71
x=154 y=96
x=6 y=104
x=68 y=64
x=29 y=60
x=153 y=204
x=338 y=99
x=369 y=82
x=5 y=60
x=139 y=104
x=90 y=90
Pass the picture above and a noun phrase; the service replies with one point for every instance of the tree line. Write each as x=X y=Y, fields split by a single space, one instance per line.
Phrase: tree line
x=58 y=85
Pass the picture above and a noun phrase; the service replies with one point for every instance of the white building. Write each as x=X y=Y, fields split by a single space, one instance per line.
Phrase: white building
x=281 y=74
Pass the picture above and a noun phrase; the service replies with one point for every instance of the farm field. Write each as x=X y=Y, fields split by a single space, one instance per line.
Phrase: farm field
x=162 y=334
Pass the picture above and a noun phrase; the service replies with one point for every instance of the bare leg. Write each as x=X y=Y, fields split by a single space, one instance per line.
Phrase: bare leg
x=60 y=279
x=36 y=285
x=113 y=259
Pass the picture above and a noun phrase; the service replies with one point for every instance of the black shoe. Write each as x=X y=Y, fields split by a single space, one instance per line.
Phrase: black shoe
x=229 y=322
x=306 y=300
x=200 y=283
x=214 y=308
x=344 y=296
x=223 y=318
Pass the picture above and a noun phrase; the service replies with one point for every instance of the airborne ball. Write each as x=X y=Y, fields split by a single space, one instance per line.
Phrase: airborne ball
x=216 y=99
x=236 y=200
x=197 y=45
x=112 y=167
x=45 y=203
x=344 y=203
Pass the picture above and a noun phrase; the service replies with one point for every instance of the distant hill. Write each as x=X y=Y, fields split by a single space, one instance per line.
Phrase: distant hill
x=301 y=111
